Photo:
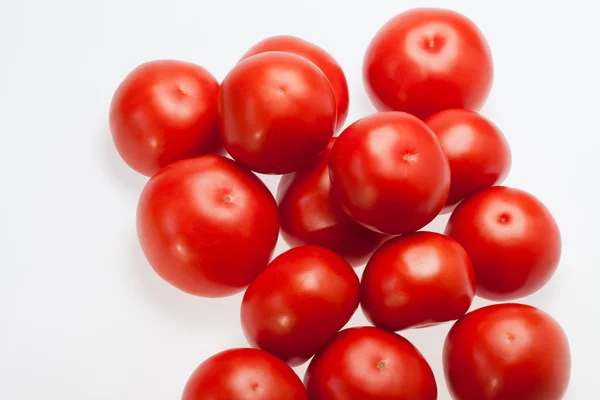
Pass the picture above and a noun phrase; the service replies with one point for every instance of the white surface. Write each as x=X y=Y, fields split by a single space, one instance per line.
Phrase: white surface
x=82 y=314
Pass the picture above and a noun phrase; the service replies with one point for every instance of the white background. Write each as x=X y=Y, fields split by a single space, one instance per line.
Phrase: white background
x=83 y=316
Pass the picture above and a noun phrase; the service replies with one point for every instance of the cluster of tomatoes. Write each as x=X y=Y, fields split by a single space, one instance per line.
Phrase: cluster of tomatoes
x=208 y=225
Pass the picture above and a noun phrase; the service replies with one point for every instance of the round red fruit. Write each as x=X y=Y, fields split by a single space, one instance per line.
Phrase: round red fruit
x=389 y=173
x=165 y=111
x=310 y=214
x=512 y=239
x=318 y=56
x=277 y=111
x=428 y=60
x=416 y=280
x=477 y=150
x=303 y=298
x=207 y=225
x=244 y=374
x=507 y=352
x=369 y=364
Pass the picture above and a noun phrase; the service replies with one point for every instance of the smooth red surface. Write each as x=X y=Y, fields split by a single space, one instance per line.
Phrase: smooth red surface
x=415 y=280
x=478 y=152
x=427 y=60
x=277 y=111
x=318 y=56
x=369 y=364
x=512 y=239
x=244 y=374
x=310 y=214
x=507 y=352
x=165 y=111
x=303 y=298
x=389 y=173
x=207 y=225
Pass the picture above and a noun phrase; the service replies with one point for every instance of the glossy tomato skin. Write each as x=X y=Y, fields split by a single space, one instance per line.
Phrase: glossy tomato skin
x=369 y=364
x=207 y=225
x=244 y=374
x=318 y=56
x=303 y=298
x=310 y=214
x=478 y=152
x=427 y=60
x=165 y=111
x=277 y=111
x=512 y=239
x=416 y=280
x=389 y=173
x=507 y=352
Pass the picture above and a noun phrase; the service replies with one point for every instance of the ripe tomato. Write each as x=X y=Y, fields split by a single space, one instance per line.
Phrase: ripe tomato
x=511 y=238
x=417 y=280
x=389 y=173
x=207 y=225
x=369 y=364
x=310 y=214
x=165 y=111
x=303 y=298
x=427 y=60
x=507 y=352
x=477 y=150
x=315 y=54
x=277 y=111
x=244 y=374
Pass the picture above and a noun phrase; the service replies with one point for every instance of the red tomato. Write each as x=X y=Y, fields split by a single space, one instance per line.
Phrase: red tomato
x=315 y=54
x=417 y=280
x=310 y=214
x=165 y=111
x=511 y=238
x=303 y=298
x=477 y=150
x=244 y=374
x=427 y=60
x=507 y=352
x=277 y=112
x=369 y=364
x=389 y=173
x=207 y=226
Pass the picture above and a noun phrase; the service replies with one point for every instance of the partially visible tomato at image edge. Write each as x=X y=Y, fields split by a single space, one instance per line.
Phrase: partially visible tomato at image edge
x=507 y=352
x=207 y=225
x=368 y=363
x=165 y=111
x=318 y=56
x=244 y=374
